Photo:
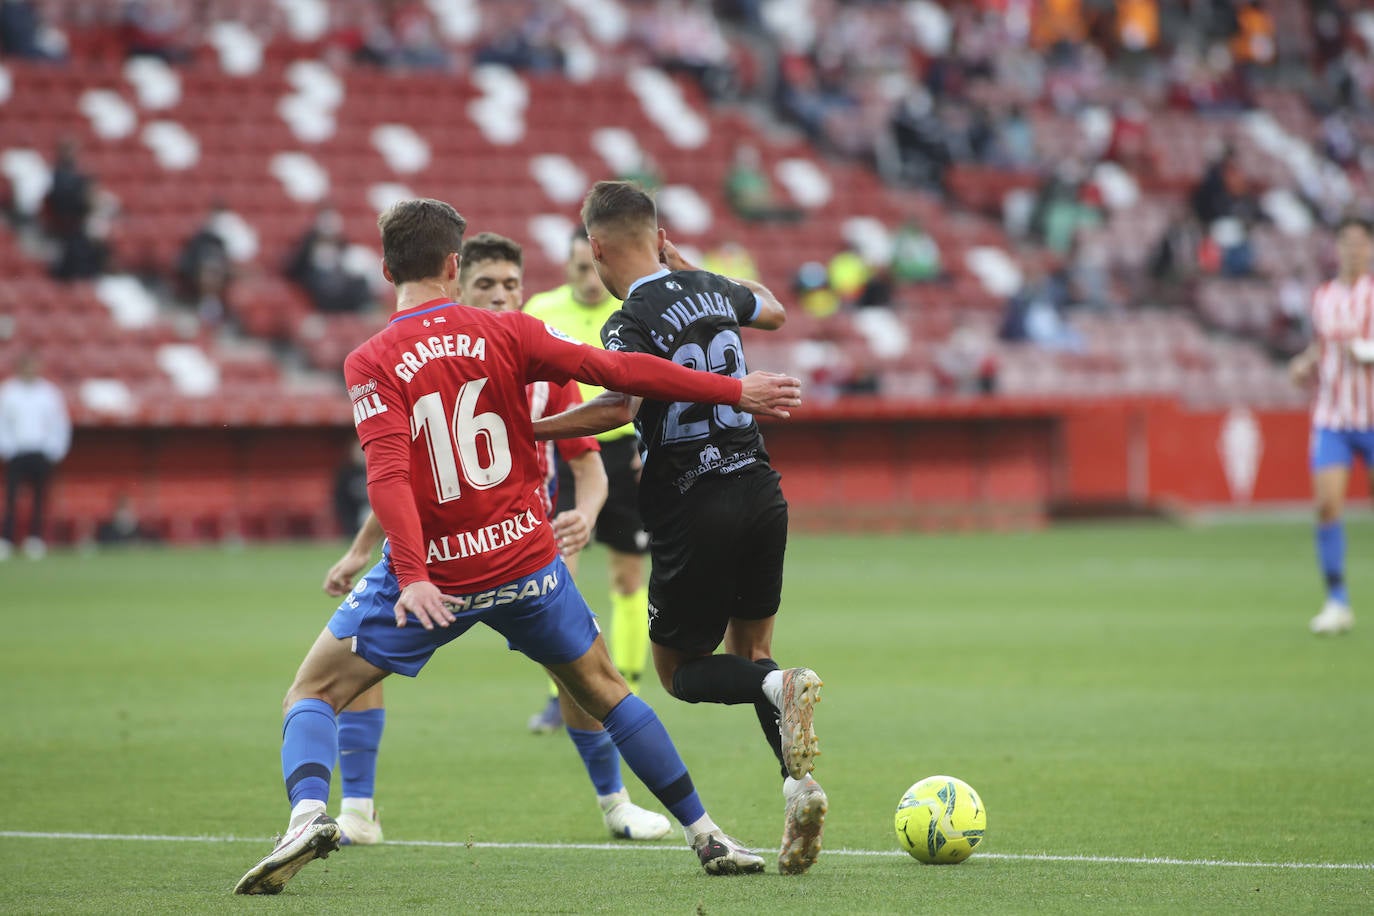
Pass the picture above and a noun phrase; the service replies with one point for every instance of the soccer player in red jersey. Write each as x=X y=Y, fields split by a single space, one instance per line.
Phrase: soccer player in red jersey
x=453 y=474
x=1341 y=359
x=491 y=277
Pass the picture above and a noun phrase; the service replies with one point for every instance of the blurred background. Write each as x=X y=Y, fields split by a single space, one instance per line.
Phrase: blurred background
x=1041 y=257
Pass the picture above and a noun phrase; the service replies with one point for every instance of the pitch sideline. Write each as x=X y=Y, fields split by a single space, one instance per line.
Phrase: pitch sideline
x=623 y=847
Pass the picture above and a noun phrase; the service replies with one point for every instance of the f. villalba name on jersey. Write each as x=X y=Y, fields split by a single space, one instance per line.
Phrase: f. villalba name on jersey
x=679 y=315
x=689 y=308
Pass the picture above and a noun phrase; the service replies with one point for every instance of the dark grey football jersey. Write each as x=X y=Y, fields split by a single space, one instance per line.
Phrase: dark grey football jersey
x=693 y=318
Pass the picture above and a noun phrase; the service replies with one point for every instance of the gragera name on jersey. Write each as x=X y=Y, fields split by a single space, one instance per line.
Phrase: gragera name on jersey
x=483 y=540
x=506 y=594
x=445 y=346
x=713 y=460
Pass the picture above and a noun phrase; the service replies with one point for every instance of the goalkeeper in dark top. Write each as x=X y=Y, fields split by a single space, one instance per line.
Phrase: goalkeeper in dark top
x=709 y=498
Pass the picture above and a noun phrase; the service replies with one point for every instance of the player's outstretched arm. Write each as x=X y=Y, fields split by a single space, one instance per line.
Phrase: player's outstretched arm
x=603 y=413
x=551 y=357
x=573 y=528
x=771 y=315
x=340 y=577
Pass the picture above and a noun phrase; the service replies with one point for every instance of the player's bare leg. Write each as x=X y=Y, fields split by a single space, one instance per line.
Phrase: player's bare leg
x=333 y=673
x=1329 y=486
x=598 y=688
x=329 y=677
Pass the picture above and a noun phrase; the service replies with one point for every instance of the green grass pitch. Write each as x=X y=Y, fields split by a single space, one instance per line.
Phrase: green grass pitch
x=1116 y=693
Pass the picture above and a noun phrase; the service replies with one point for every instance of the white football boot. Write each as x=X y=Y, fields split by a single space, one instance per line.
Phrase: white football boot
x=801 y=690
x=725 y=855
x=1334 y=619
x=803 y=819
x=627 y=821
x=314 y=839
x=359 y=828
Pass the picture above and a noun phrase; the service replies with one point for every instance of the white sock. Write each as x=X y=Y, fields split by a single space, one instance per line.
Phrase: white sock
x=607 y=802
x=772 y=687
x=791 y=786
x=699 y=827
x=305 y=811
x=362 y=805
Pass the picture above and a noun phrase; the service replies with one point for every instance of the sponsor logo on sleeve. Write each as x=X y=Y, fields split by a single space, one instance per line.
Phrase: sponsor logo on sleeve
x=367 y=401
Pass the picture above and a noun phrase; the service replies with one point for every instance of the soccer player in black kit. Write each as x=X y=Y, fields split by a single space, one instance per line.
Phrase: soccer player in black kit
x=708 y=496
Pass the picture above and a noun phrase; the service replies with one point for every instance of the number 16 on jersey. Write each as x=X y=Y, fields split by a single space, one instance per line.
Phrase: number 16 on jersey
x=483 y=447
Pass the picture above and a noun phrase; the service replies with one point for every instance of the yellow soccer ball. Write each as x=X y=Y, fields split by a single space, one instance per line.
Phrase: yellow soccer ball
x=941 y=820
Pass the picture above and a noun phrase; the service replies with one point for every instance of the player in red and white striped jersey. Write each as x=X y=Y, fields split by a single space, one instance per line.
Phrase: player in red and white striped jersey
x=1341 y=359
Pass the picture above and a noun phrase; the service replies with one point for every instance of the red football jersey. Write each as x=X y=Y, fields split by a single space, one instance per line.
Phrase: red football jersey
x=549 y=400
x=440 y=404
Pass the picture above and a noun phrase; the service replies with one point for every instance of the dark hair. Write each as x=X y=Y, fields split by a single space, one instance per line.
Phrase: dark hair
x=618 y=205
x=417 y=235
x=1353 y=220
x=488 y=246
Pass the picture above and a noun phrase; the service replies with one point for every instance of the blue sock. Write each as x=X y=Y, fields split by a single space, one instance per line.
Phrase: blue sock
x=600 y=758
x=360 y=734
x=646 y=747
x=1331 y=554
x=309 y=744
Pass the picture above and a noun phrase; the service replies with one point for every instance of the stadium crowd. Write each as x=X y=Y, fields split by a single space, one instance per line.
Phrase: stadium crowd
x=1190 y=154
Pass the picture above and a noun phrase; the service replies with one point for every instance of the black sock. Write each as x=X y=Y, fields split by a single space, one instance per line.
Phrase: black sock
x=728 y=679
x=769 y=717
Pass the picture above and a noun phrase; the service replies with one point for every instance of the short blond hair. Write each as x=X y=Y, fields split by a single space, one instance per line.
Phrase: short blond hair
x=618 y=206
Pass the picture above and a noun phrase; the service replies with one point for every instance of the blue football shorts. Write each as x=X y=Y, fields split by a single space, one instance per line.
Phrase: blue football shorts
x=1337 y=447
x=542 y=615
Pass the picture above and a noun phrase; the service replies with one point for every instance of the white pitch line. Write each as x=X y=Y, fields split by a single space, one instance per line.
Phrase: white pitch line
x=638 y=847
